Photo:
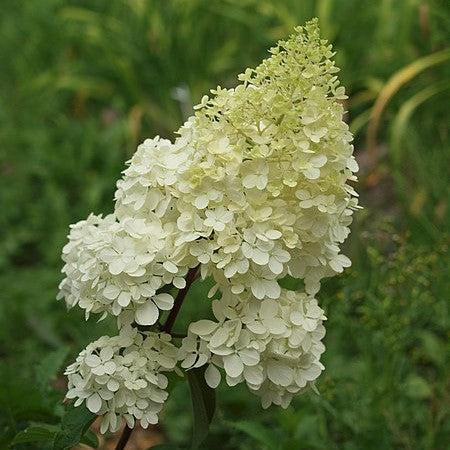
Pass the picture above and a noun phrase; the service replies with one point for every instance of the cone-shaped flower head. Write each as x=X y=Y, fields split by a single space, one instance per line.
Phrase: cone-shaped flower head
x=253 y=189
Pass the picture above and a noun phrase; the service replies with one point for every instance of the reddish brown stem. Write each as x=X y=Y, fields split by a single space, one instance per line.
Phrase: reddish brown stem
x=190 y=277
x=126 y=433
x=167 y=327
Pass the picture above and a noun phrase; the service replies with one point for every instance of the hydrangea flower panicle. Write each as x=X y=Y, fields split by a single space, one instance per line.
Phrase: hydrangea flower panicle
x=255 y=187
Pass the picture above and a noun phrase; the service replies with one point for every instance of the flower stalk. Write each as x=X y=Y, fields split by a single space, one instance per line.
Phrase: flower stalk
x=170 y=321
x=167 y=328
x=124 y=437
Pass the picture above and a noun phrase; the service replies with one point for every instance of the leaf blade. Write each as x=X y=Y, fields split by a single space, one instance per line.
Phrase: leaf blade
x=203 y=405
x=258 y=433
x=35 y=434
x=74 y=425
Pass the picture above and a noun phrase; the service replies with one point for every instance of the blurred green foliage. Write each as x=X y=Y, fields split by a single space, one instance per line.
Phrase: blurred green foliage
x=83 y=82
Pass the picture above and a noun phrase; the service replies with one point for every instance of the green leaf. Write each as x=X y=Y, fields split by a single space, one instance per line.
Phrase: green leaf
x=259 y=433
x=417 y=387
x=90 y=438
x=203 y=405
x=400 y=78
x=74 y=425
x=48 y=368
x=41 y=433
x=433 y=349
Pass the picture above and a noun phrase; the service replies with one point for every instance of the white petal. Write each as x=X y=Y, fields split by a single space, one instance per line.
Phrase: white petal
x=202 y=359
x=223 y=350
x=212 y=376
x=352 y=164
x=170 y=267
x=99 y=370
x=164 y=301
x=276 y=326
x=261 y=182
x=275 y=266
x=256 y=327
x=254 y=375
x=203 y=327
x=113 y=385
x=316 y=312
x=106 y=353
x=105 y=425
x=94 y=403
x=312 y=173
x=233 y=365
x=92 y=360
x=296 y=317
x=273 y=289
x=249 y=181
x=260 y=257
x=345 y=261
x=179 y=282
x=111 y=292
x=247 y=250
x=147 y=314
x=124 y=299
x=219 y=226
x=201 y=202
x=269 y=309
x=273 y=234
x=312 y=372
x=116 y=266
x=258 y=289
x=280 y=374
x=109 y=367
x=249 y=356
x=106 y=394
x=336 y=266
x=219 y=337
x=189 y=360
x=319 y=160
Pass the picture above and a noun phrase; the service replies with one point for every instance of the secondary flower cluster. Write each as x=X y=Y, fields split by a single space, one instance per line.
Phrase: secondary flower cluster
x=272 y=346
x=117 y=268
x=253 y=189
x=123 y=376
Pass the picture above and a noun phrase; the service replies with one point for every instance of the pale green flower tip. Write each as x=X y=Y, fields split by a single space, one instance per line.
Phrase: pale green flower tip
x=298 y=69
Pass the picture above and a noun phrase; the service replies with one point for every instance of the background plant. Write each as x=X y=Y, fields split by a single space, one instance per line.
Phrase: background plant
x=82 y=83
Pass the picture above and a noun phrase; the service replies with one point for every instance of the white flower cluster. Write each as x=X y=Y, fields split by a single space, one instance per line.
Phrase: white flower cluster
x=274 y=346
x=123 y=377
x=254 y=189
x=117 y=268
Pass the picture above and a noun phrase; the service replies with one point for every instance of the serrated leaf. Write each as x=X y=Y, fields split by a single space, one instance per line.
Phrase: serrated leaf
x=42 y=433
x=74 y=425
x=203 y=405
